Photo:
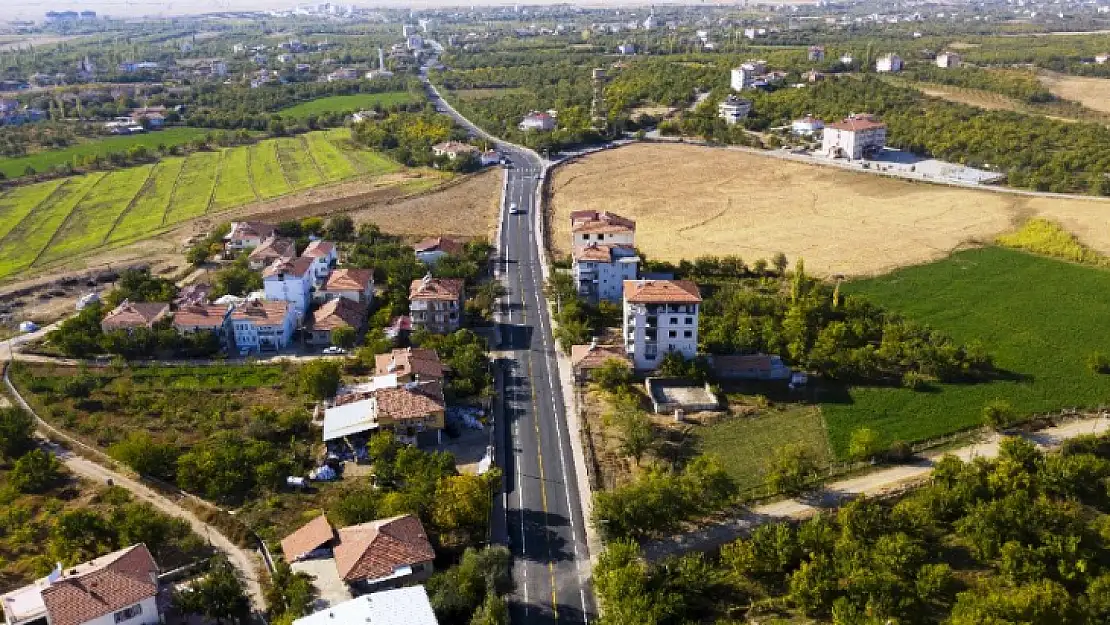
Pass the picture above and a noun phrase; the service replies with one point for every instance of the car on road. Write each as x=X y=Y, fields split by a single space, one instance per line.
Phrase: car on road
x=514 y=209
x=335 y=350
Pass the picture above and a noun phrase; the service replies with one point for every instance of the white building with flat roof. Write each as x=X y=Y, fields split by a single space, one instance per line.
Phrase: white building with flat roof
x=660 y=316
x=889 y=63
x=744 y=77
x=948 y=60
x=733 y=109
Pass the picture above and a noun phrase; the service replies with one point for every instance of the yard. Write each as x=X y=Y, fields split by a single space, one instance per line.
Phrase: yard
x=690 y=201
x=1039 y=318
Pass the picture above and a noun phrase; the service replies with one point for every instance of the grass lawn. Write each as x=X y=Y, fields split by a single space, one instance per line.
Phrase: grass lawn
x=45 y=161
x=743 y=444
x=1039 y=318
x=347 y=103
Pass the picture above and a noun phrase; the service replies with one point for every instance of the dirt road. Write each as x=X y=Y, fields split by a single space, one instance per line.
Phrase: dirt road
x=873 y=484
x=246 y=562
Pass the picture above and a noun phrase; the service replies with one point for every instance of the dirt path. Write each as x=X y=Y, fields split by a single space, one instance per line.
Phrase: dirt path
x=246 y=562
x=876 y=484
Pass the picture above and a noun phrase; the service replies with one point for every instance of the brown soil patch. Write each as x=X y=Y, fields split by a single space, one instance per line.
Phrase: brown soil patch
x=1094 y=93
x=691 y=201
x=467 y=209
x=971 y=97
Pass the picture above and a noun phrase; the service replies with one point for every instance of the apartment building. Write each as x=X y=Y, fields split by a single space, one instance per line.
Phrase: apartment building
x=600 y=271
x=660 y=316
x=436 y=304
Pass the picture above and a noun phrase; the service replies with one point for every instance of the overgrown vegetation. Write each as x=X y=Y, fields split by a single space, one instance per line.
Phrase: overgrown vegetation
x=1042 y=236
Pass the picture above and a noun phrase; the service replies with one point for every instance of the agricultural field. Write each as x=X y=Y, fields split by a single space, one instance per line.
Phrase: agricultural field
x=1094 y=93
x=45 y=161
x=1038 y=317
x=348 y=103
x=485 y=94
x=754 y=206
x=61 y=219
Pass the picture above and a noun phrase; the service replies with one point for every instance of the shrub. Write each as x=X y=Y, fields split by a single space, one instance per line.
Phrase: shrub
x=998 y=414
x=1098 y=362
x=791 y=469
x=864 y=444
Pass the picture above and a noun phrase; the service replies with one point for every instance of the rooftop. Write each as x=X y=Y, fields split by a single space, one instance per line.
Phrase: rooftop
x=319 y=248
x=603 y=253
x=402 y=606
x=423 y=363
x=440 y=244
x=198 y=315
x=349 y=280
x=661 y=292
x=856 y=123
x=132 y=315
x=429 y=288
x=339 y=312
x=250 y=229
x=594 y=356
x=268 y=312
x=273 y=248
x=583 y=222
x=379 y=548
x=297 y=267
x=307 y=538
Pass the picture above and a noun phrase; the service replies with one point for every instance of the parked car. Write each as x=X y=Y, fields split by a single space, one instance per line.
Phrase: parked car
x=335 y=350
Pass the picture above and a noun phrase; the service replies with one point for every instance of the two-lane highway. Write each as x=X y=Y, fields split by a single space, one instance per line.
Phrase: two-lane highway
x=545 y=528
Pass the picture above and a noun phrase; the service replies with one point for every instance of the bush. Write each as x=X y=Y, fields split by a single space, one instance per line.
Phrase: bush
x=1098 y=362
x=864 y=445
x=791 y=470
x=35 y=472
x=17 y=429
x=999 y=414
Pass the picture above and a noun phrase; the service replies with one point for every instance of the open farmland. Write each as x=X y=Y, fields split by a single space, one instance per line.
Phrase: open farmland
x=56 y=221
x=1093 y=93
x=691 y=201
x=1038 y=318
x=45 y=161
x=347 y=103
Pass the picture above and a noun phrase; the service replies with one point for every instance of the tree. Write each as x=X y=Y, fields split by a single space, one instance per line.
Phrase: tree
x=146 y=456
x=219 y=595
x=998 y=414
x=17 y=429
x=864 y=444
x=780 y=263
x=613 y=374
x=456 y=593
x=343 y=336
x=791 y=469
x=289 y=595
x=37 y=471
x=341 y=228
x=460 y=511
x=636 y=434
x=493 y=611
x=319 y=379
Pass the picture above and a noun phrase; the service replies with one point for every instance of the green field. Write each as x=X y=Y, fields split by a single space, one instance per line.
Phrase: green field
x=45 y=161
x=62 y=219
x=1039 y=318
x=347 y=103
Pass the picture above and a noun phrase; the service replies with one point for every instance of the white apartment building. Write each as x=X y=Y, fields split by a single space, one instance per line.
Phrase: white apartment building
x=325 y=256
x=263 y=326
x=889 y=63
x=539 y=122
x=246 y=235
x=948 y=60
x=733 y=109
x=436 y=304
x=854 y=137
x=660 y=316
x=744 y=77
x=601 y=270
x=588 y=227
x=292 y=282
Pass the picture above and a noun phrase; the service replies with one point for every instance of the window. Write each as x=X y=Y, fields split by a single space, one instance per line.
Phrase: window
x=127 y=614
x=689 y=321
x=672 y=334
x=687 y=334
x=674 y=321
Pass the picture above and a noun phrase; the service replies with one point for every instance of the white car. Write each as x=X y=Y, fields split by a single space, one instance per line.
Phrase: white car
x=514 y=209
x=335 y=350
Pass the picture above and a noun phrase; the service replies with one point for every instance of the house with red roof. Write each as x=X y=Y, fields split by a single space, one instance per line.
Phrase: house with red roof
x=436 y=304
x=660 y=316
x=854 y=137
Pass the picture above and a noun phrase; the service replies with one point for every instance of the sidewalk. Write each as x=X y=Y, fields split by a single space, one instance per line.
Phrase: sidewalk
x=879 y=483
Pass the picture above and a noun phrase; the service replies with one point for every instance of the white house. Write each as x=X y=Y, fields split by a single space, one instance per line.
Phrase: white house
x=607 y=228
x=401 y=606
x=453 y=149
x=626 y=49
x=660 y=316
x=430 y=250
x=744 y=77
x=263 y=325
x=601 y=270
x=120 y=588
x=733 y=109
x=356 y=285
x=889 y=63
x=853 y=137
x=246 y=235
x=436 y=304
x=807 y=126
x=292 y=282
x=325 y=256
x=540 y=122
x=948 y=60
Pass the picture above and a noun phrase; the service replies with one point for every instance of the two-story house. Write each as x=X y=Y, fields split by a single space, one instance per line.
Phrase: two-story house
x=436 y=304
x=270 y=251
x=325 y=257
x=120 y=588
x=607 y=228
x=245 y=235
x=413 y=412
x=263 y=326
x=429 y=251
x=356 y=285
x=601 y=270
x=290 y=281
x=131 y=315
x=334 y=314
x=410 y=364
x=193 y=318
x=660 y=316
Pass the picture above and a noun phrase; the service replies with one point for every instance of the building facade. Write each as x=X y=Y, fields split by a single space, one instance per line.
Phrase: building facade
x=733 y=109
x=290 y=281
x=263 y=326
x=601 y=270
x=602 y=228
x=889 y=63
x=853 y=137
x=948 y=60
x=436 y=304
x=744 y=77
x=660 y=316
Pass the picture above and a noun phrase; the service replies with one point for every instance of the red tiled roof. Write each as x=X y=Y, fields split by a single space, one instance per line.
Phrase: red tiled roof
x=319 y=248
x=133 y=315
x=594 y=356
x=198 y=316
x=604 y=222
x=297 y=267
x=661 y=292
x=337 y=313
x=424 y=363
x=378 y=548
x=274 y=248
x=856 y=124
x=251 y=229
x=436 y=289
x=349 y=280
x=415 y=401
x=440 y=244
x=307 y=538
x=102 y=586
x=601 y=253
x=271 y=312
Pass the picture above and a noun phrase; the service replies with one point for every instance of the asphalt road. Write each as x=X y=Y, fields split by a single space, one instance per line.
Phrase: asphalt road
x=543 y=521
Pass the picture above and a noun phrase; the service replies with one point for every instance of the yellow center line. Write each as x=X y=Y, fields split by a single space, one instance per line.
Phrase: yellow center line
x=539 y=448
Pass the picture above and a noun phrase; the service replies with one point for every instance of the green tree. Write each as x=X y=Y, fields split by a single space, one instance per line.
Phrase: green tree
x=493 y=611
x=17 y=430
x=341 y=228
x=613 y=374
x=319 y=379
x=998 y=414
x=864 y=444
x=219 y=595
x=343 y=336
x=37 y=471
x=146 y=456
x=289 y=594
x=791 y=469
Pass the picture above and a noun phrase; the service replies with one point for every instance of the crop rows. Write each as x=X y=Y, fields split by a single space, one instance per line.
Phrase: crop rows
x=61 y=219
